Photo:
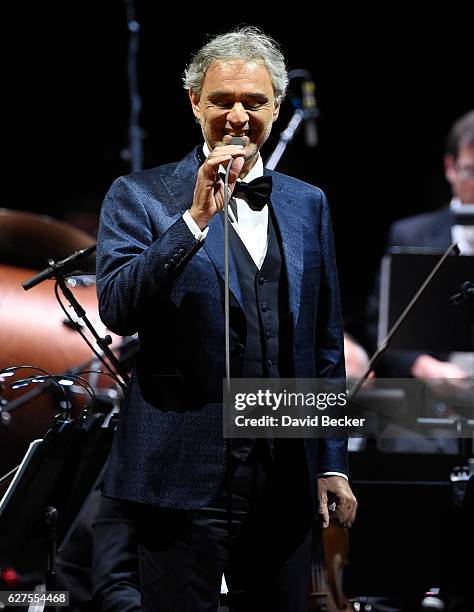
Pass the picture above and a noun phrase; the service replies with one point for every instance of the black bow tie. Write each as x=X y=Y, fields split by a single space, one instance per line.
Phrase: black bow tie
x=256 y=193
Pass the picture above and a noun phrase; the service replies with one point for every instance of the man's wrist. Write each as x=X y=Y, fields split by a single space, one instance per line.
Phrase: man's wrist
x=198 y=232
x=200 y=219
x=326 y=474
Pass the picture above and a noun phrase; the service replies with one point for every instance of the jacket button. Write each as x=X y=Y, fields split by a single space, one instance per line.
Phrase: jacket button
x=268 y=334
x=264 y=307
x=181 y=251
x=269 y=363
x=166 y=266
x=238 y=349
x=261 y=280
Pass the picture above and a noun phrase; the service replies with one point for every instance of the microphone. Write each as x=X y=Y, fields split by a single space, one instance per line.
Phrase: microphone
x=53 y=267
x=311 y=112
x=235 y=140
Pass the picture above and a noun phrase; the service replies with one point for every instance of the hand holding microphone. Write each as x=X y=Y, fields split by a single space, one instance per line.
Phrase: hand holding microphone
x=209 y=190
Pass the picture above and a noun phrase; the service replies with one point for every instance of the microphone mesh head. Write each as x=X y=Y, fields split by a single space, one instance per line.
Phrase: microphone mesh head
x=236 y=140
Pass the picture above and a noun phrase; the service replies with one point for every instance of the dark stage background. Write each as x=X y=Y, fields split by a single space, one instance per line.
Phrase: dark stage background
x=389 y=83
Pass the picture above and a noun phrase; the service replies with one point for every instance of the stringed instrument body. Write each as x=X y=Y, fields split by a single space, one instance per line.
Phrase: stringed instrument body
x=330 y=556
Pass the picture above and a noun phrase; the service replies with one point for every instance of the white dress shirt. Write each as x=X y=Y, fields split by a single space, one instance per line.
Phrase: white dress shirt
x=463 y=234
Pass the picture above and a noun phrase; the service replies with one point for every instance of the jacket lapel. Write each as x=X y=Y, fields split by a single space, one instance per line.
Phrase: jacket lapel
x=180 y=183
x=284 y=206
x=214 y=247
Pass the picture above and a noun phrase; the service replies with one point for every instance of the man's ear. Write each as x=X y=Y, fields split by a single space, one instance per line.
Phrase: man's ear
x=449 y=167
x=195 y=103
x=276 y=111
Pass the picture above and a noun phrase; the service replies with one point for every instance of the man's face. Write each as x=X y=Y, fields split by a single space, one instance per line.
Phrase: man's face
x=236 y=99
x=460 y=174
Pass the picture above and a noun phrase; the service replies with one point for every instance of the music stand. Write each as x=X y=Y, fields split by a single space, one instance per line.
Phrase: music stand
x=41 y=505
x=434 y=324
x=439 y=322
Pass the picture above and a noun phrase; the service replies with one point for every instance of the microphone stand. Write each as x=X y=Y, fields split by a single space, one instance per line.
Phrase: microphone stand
x=57 y=270
x=235 y=140
x=134 y=153
x=56 y=266
x=285 y=138
x=103 y=343
x=299 y=115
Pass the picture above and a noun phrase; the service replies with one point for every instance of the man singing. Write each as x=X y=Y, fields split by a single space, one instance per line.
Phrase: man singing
x=203 y=508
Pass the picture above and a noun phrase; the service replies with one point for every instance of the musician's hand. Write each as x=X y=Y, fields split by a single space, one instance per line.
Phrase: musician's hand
x=337 y=503
x=356 y=358
x=441 y=376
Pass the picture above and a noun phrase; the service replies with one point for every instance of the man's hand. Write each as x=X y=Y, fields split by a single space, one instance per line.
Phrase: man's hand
x=426 y=366
x=209 y=190
x=441 y=376
x=337 y=503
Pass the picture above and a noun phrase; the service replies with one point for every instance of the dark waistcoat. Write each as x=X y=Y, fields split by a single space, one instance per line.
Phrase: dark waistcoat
x=265 y=302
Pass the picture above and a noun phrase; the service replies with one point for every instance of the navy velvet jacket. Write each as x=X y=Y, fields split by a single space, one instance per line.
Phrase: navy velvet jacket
x=153 y=277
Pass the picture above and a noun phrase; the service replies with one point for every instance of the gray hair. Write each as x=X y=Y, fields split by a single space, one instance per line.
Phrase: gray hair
x=461 y=134
x=247 y=43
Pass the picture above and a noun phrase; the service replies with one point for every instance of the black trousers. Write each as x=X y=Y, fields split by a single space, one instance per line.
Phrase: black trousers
x=114 y=576
x=265 y=557
x=99 y=563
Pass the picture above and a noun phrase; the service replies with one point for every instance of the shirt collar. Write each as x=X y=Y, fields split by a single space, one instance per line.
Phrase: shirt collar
x=458 y=207
x=254 y=172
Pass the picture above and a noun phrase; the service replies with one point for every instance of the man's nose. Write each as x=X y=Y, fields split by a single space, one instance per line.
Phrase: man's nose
x=237 y=114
